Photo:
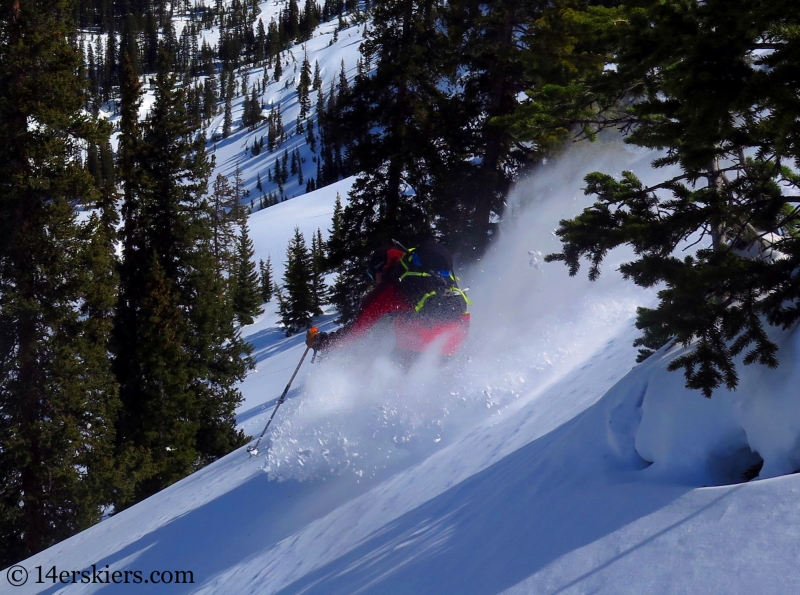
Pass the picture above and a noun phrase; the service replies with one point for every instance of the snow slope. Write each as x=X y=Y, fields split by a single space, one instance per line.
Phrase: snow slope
x=524 y=467
x=327 y=48
x=231 y=152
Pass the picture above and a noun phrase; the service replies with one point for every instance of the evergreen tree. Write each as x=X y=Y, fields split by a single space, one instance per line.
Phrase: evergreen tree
x=177 y=354
x=261 y=42
x=317 y=84
x=319 y=289
x=93 y=163
x=255 y=107
x=311 y=138
x=303 y=89
x=239 y=192
x=706 y=94
x=297 y=307
x=58 y=399
x=246 y=290
x=226 y=214
x=292 y=20
x=309 y=20
x=284 y=169
x=210 y=98
x=343 y=87
x=488 y=46
x=392 y=195
x=279 y=130
x=111 y=62
x=278 y=73
x=247 y=118
x=272 y=134
x=107 y=171
x=227 y=122
x=267 y=285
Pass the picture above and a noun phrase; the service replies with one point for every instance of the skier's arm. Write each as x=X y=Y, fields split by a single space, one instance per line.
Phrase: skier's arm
x=385 y=301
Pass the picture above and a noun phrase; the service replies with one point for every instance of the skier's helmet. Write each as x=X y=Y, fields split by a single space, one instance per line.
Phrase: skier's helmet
x=382 y=260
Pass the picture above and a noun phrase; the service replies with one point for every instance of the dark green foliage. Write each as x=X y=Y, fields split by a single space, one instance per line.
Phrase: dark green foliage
x=296 y=298
x=225 y=214
x=569 y=93
x=58 y=398
x=210 y=98
x=351 y=283
x=265 y=280
x=107 y=172
x=304 y=89
x=392 y=195
x=718 y=107
x=317 y=83
x=178 y=356
x=309 y=19
x=319 y=289
x=246 y=290
x=430 y=122
x=227 y=122
x=654 y=333
x=93 y=163
x=487 y=47
x=251 y=114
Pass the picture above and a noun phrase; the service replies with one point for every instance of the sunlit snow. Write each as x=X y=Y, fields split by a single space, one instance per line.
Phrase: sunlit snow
x=542 y=460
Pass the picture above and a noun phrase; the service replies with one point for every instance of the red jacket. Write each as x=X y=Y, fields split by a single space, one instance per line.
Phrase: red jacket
x=412 y=332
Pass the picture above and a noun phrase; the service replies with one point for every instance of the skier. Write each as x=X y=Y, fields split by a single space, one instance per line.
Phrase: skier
x=417 y=290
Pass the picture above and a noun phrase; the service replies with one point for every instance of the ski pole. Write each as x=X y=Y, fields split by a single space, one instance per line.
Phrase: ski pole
x=253 y=450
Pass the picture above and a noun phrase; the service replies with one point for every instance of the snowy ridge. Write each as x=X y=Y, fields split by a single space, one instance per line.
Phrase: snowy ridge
x=543 y=461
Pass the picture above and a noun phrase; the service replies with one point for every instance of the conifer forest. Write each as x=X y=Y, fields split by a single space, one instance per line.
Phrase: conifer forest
x=127 y=269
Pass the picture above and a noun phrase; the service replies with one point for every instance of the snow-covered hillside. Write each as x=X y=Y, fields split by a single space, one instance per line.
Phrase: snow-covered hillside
x=333 y=46
x=542 y=461
x=282 y=95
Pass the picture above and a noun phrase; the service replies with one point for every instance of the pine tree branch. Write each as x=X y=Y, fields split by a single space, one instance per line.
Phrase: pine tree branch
x=700 y=239
x=745 y=225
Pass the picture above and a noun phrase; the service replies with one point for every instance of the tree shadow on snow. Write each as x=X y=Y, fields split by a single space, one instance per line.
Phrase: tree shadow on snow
x=266 y=407
x=496 y=529
x=482 y=536
x=223 y=532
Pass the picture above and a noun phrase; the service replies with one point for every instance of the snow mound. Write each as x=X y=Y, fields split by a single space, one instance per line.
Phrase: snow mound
x=720 y=440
